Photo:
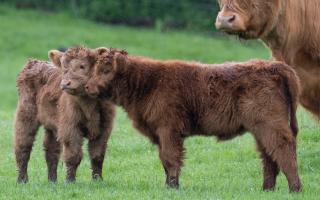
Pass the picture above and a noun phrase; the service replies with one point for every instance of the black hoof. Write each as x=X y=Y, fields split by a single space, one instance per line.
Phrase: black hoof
x=52 y=179
x=97 y=177
x=22 y=179
x=70 y=180
x=295 y=188
x=172 y=182
x=268 y=187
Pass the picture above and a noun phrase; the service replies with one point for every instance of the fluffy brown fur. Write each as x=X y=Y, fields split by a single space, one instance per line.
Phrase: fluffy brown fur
x=38 y=98
x=169 y=101
x=290 y=28
x=67 y=116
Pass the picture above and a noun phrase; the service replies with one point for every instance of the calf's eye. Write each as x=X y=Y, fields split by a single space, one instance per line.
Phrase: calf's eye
x=81 y=67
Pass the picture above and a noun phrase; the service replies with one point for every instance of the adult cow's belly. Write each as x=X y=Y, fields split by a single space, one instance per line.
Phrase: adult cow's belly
x=309 y=74
x=310 y=95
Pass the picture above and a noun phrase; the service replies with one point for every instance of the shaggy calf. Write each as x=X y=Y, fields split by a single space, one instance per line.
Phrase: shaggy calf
x=67 y=116
x=80 y=115
x=39 y=93
x=169 y=101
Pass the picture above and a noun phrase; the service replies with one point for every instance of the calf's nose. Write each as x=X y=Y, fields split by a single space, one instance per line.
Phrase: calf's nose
x=86 y=88
x=91 y=91
x=225 y=21
x=65 y=84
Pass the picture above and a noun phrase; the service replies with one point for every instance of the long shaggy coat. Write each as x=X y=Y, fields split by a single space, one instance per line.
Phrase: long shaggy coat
x=171 y=100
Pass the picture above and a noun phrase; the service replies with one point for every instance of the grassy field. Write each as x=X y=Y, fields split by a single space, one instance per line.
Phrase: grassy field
x=132 y=169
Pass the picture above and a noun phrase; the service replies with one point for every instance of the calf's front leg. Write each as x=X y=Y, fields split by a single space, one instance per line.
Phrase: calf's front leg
x=71 y=138
x=171 y=153
x=97 y=148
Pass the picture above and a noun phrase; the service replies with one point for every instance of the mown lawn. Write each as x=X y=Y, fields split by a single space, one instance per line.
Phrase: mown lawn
x=132 y=170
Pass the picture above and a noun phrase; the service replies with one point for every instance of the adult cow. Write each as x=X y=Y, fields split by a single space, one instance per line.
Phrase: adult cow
x=290 y=28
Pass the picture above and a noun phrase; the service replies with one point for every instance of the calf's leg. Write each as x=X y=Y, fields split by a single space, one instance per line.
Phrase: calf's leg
x=171 y=155
x=166 y=172
x=97 y=149
x=52 y=150
x=270 y=170
x=26 y=127
x=164 y=167
x=280 y=144
x=72 y=150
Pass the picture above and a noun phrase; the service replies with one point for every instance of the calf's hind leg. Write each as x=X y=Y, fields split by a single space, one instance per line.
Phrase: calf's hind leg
x=270 y=170
x=279 y=142
x=164 y=167
x=52 y=150
x=171 y=155
x=26 y=126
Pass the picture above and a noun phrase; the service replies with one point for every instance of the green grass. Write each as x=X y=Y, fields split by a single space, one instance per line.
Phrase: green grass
x=132 y=170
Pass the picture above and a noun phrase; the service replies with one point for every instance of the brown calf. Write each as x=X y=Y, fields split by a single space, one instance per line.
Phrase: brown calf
x=67 y=116
x=81 y=115
x=171 y=100
x=39 y=93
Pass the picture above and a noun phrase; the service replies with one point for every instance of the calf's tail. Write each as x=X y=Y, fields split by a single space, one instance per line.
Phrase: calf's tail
x=292 y=85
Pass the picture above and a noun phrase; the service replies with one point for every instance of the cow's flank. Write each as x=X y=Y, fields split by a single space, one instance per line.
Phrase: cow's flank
x=289 y=28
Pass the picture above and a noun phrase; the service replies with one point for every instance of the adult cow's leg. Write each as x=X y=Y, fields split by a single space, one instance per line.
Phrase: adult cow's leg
x=26 y=127
x=270 y=169
x=311 y=102
x=279 y=142
x=171 y=155
x=52 y=150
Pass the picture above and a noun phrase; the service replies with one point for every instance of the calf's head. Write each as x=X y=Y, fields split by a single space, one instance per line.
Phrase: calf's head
x=77 y=65
x=249 y=19
x=105 y=70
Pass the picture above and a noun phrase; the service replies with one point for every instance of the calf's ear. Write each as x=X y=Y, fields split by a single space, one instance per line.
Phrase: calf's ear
x=55 y=57
x=101 y=50
x=119 y=58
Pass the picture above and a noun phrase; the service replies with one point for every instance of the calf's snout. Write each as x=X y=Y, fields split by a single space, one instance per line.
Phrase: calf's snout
x=65 y=84
x=91 y=90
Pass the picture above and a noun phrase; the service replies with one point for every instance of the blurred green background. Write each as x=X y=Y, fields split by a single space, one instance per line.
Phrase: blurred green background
x=162 y=14
x=166 y=30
